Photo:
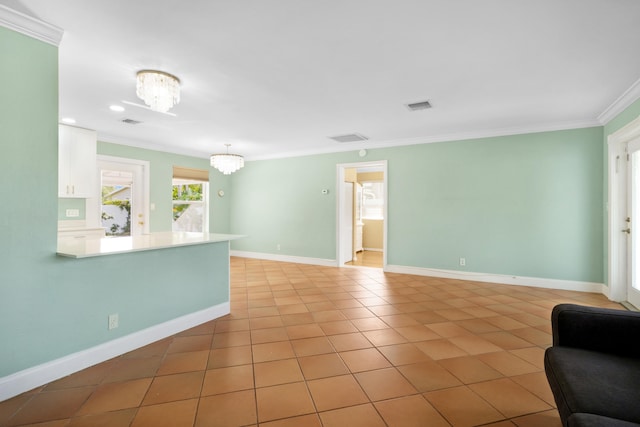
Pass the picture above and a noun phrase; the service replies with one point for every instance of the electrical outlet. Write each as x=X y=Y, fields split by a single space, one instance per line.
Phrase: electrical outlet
x=113 y=321
x=463 y=262
x=278 y=246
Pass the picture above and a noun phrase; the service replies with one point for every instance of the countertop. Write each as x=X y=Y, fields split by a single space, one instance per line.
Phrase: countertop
x=92 y=247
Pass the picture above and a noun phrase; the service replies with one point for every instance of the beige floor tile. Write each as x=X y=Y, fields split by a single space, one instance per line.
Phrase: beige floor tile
x=59 y=404
x=473 y=412
x=428 y=376
x=283 y=401
x=364 y=360
x=169 y=388
x=228 y=379
x=171 y=414
x=507 y=364
x=509 y=398
x=277 y=372
x=352 y=341
x=403 y=354
x=114 y=396
x=382 y=337
x=230 y=356
x=336 y=392
x=312 y=420
x=312 y=346
x=384 y=384
x=440 y=349
x=231 y=339
x=410 y=411
x=225 y=410
x=272 y=351
x=353 y=416
x=261 y=336
x=322 y=366
x=537 y=384
x=469 y=369
x=121 y=418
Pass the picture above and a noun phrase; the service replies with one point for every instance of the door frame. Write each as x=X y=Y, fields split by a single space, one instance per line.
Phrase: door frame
x=340 y=173
x=93 y=204
x=617 y=269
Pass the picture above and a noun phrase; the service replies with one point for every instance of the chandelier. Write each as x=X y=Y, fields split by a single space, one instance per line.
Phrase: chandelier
x=227 y=163
x=159 y=90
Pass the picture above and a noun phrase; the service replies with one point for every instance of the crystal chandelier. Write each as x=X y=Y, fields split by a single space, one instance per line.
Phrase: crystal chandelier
x=159 y=90
x=227 y=163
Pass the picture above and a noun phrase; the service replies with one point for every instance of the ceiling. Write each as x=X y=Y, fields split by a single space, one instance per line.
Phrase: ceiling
x=278 y=78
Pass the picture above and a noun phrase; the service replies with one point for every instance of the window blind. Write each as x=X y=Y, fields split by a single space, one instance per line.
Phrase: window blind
x=190 y=174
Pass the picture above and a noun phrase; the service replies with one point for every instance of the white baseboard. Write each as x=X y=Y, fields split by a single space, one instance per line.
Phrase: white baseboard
x=285 y=258
x=28 y=379
x=536 y=282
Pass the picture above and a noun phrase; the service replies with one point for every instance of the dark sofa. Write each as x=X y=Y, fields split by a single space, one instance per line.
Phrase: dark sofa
x=593 y=367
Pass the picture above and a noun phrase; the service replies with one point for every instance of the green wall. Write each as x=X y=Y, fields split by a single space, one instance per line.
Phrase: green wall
x=51 y=306
x=160 y=175
x=525 y=205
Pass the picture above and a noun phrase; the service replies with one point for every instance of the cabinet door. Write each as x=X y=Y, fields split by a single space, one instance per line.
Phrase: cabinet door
x=76 y=162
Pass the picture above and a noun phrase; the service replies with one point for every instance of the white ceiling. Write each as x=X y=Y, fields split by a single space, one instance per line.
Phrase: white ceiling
x=278 y=77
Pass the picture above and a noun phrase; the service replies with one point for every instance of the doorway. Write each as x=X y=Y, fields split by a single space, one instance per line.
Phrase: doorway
x=122 y=208
x=362 y=214
x=624 y=215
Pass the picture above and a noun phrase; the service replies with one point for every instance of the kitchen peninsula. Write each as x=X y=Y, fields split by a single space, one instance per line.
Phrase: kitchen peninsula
x=91 y=247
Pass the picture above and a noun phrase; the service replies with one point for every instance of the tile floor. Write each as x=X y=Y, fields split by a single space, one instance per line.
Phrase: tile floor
x=367 y=259
x=316 y=346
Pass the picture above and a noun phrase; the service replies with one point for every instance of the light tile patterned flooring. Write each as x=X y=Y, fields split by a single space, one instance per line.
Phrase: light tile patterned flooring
x=367 y=259
x=317 y=346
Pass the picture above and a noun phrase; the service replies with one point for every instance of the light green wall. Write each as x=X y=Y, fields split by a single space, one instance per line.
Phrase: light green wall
x=525 y=205
x=161 y=172
x=50 y=306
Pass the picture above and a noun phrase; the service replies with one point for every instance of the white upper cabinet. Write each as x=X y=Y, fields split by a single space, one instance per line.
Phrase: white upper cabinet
x=76 y=162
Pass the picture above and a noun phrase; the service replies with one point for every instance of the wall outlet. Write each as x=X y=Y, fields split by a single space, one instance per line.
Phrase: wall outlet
x=113 y=321
x=463 y=262
x=72 y=213
x=278 y=246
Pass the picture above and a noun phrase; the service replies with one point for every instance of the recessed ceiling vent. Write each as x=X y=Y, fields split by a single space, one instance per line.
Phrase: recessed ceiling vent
x=131 y=121
x=419 y=106
x=352 y=137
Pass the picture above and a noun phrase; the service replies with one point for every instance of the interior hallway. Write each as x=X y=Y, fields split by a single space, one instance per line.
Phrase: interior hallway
x=321 y=346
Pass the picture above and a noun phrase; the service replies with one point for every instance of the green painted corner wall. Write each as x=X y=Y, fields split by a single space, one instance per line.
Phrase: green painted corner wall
x=50 y=306
x=523 y=205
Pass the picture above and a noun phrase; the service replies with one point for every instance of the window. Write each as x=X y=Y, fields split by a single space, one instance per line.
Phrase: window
x=373 y=200
x=190 y=200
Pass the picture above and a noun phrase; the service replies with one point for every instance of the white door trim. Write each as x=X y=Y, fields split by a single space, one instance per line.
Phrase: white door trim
x=617 y=209
x=340 y=168
x=93 y=204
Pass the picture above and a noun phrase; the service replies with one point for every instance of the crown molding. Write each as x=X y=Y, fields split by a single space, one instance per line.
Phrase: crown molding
x=630 y=96
x=30 y=26
x=461 y=136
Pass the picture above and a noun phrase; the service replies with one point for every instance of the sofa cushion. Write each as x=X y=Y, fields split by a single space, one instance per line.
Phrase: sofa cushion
x=591 y=420
x=591 y=382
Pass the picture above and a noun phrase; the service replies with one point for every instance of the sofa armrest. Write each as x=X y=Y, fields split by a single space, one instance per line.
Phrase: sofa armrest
x=598 y=329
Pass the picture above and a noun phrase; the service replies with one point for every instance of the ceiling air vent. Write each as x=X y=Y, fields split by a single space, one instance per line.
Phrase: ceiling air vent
x=352 y=137
x=131 y=121
x=419 y=106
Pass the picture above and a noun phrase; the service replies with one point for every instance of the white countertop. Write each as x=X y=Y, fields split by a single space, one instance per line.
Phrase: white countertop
x=91 y=247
